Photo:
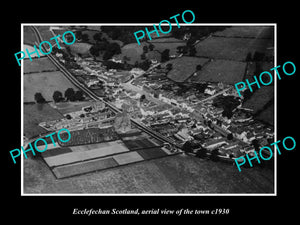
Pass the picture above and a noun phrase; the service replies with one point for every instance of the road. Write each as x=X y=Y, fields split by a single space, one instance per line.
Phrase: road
x=79 y=85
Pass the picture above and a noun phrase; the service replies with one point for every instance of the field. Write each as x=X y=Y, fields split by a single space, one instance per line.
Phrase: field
x=173 y=174
x=38 y=65
x=265 y=66
x=67 y=107
x=231 y=48
x=80 y=48
x=133 y=50
x=224 y=71
x=260 y=97
x=247 y=32
x=184 y=67
x=267 y=115
x=29 y=37
x=45 y=83
x=36 y=113
x=162 y=45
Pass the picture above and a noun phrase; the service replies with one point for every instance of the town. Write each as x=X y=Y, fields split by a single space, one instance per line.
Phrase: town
x=171 y=92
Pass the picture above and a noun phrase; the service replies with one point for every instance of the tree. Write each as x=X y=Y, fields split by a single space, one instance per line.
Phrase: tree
x=258 y=56
x=227 y=112
x=79 y=95
x=198 y=67
x=97 y=36
x=143 y=56
x=142 y=98
x=169 y=66
x=192 y=50
x=182 y=49
x=85 y=37
x=145 y=49
x=229 y=136
x=248 y=57
x=187 y=146
x=70 y=94
x=39 y=98
x=165 y=55
x=57 y=96
x=94 y=50
x=78 y=34
x=151 y=47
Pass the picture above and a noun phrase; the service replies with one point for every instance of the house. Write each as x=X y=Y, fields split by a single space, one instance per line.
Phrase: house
x=210 y=91
x=212 y=144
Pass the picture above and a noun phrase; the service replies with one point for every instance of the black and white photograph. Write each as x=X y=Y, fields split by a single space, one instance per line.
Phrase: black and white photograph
x=148 y=111
x=170 y=115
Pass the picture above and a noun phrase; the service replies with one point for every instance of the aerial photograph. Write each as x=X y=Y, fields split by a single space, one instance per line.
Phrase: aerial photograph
x=159 y=116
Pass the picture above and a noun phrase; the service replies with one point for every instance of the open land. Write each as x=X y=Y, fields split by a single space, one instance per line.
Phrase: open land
x=225 y=71
x=45 y=83
x=184 y=67
x=174 y=174
x=36 y=113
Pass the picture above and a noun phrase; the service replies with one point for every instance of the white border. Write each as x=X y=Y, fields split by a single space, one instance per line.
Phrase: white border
x=150 y=24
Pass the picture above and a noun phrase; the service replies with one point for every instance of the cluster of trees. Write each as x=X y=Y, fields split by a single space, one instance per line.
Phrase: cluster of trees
x=70 y=95
x=227 y=103
x=188 y=49
x=122 y=33
x=107 y=49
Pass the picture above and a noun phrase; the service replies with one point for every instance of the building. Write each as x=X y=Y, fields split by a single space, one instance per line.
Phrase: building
x=212 y=144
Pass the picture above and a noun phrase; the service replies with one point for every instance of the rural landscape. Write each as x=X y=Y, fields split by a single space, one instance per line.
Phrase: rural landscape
x=162 y=117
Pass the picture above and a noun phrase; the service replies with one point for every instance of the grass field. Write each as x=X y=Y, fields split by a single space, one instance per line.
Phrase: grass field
x=251 y=67
x=45 y=83
x=267 y=115
x=184 y=67
x=224 y=71
x=38 y=65
x=36 y=113
x=28 y=36
x=260 y=97
x=132 y=51
x=174 y=174
x=80 y=48
x=247 y=32
x=231 y=48
x=67 y=107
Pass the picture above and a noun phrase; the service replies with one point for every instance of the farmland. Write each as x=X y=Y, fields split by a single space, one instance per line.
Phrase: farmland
x=230 y=48
x=175 y=174
x=260 y=97
x=29 y=37
x=246 y=32
x=184 y=67
x=38 y=65
x=224 y=71
x=36 y=113
x=45 y=83
x=133 y=50
x=68 y=107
